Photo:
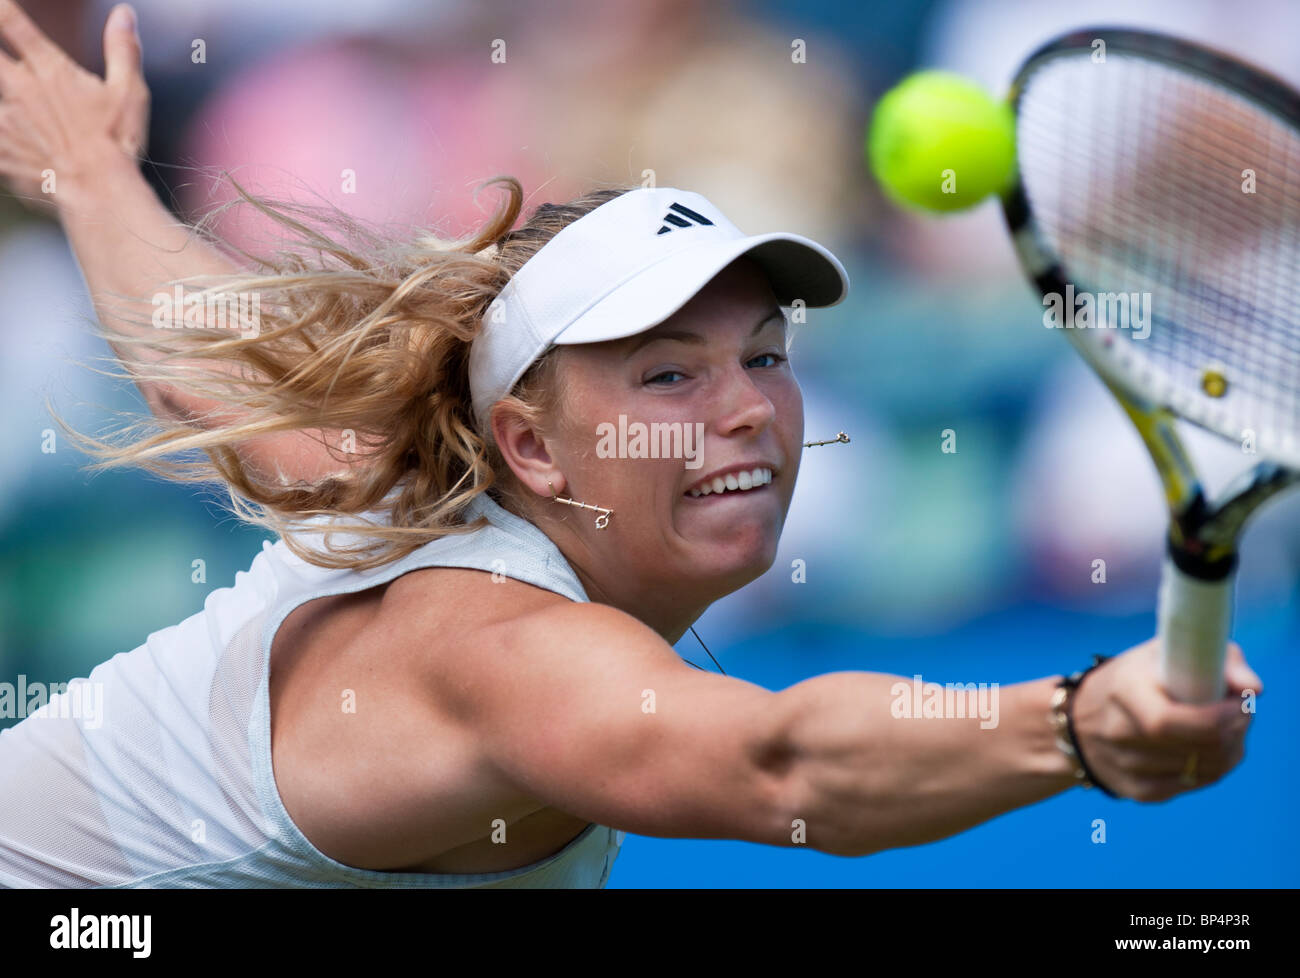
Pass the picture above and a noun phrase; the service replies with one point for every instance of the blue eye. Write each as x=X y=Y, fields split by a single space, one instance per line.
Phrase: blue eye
x=659 y=379
x=666 y=373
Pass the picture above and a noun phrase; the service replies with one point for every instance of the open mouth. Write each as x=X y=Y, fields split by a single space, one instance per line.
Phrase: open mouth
x=733 y=483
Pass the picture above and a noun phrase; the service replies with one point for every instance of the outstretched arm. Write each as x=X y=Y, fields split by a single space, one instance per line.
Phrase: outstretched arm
x=71 y=140
x=590 y=712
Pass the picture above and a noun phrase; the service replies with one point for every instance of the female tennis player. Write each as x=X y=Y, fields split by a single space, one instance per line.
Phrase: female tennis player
x=470 y=681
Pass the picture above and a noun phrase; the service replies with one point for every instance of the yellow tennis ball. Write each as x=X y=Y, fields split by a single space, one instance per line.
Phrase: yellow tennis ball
x=939 y=142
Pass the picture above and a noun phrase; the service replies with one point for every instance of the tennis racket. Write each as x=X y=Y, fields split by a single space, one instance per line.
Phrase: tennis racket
x=1169 y=174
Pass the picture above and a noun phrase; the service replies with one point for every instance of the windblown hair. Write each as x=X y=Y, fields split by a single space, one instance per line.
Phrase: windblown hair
x=363 y=344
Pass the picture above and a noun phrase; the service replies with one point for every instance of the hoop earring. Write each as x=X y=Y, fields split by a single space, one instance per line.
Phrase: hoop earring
x=602 y=520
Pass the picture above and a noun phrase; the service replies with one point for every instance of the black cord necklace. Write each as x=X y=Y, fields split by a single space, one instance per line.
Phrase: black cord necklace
x=707 y=652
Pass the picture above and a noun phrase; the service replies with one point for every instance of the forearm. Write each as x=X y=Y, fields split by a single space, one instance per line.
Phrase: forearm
x=873 y=768
x=129 y=247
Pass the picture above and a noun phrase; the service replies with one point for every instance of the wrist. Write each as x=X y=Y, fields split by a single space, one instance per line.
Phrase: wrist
x=96 y=175
x=1063 y=726
x=1038 y=746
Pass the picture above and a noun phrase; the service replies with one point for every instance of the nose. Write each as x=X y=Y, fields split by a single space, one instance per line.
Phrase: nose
x=744 y=404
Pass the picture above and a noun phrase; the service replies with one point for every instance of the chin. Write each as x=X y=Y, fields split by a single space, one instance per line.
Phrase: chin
x=738 y=565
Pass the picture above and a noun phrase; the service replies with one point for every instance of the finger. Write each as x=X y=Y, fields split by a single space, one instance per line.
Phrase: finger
x=1240 y=676
x=1154 y=789
x=24 y=36
x=9 y=69
x=1211 y=759
x=121 y=48
x=1200 y=771
x=1163 y=722
x=17 y=167
x=1157 y=789
x=1153 y=766
x=15 y=127
x=1156 y=778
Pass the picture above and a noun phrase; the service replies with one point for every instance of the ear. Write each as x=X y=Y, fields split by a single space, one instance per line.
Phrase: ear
x=525 y=450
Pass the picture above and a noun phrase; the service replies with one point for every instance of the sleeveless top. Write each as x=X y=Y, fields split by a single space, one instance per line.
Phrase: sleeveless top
x=169 y=782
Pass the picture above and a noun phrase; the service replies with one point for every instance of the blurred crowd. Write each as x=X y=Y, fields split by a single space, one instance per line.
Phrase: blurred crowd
x=761 y=107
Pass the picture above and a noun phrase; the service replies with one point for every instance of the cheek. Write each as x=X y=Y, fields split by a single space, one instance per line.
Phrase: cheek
x=787 y=398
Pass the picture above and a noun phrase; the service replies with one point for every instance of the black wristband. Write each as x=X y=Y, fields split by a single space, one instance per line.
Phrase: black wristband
x=1072 y=683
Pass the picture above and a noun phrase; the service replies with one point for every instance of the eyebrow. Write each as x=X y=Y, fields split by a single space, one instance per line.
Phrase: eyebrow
x=696 y=339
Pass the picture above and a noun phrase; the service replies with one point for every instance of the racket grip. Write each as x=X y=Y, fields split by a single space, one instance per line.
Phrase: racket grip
x=1194 y=620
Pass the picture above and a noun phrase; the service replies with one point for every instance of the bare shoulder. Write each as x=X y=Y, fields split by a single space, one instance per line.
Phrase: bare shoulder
x=543 y=644
x=580 y=625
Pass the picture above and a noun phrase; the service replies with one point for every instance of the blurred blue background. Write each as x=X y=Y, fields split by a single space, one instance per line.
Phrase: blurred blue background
x=974 y=566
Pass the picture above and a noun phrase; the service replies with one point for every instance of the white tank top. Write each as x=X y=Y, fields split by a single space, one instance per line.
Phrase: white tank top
x=173 y=786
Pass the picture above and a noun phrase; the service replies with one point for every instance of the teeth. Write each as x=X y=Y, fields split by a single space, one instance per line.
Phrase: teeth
x=735 y=482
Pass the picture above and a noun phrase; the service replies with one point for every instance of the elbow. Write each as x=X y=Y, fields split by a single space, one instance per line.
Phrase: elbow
x=800 y=809
x=809 y=818
x=813 y=802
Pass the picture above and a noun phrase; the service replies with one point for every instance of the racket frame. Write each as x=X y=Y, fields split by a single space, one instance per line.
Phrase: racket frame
x=1195 y=601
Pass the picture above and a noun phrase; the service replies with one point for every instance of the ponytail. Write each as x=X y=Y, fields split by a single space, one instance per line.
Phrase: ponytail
x=363 y=344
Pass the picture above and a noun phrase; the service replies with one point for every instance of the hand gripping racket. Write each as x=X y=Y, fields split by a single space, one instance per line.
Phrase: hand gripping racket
x=1158 y=175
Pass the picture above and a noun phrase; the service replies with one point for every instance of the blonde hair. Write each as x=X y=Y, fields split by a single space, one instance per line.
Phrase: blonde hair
x=358 y=332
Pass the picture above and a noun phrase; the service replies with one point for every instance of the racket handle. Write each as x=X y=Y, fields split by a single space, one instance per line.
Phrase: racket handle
x=1194 y=619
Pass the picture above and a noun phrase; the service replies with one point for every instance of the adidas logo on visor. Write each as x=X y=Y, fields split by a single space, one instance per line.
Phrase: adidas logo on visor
x=684 y=218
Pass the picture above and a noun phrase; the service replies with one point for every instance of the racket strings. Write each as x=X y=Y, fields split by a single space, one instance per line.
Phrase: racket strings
x=1162 y=258
x=1134 y=171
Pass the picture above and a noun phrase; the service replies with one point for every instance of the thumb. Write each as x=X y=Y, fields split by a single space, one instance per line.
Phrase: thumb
x=121 y=47
x=1240 y=676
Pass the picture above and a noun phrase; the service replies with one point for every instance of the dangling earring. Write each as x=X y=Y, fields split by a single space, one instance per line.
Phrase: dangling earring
x=602 y=520
x=841 y=438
